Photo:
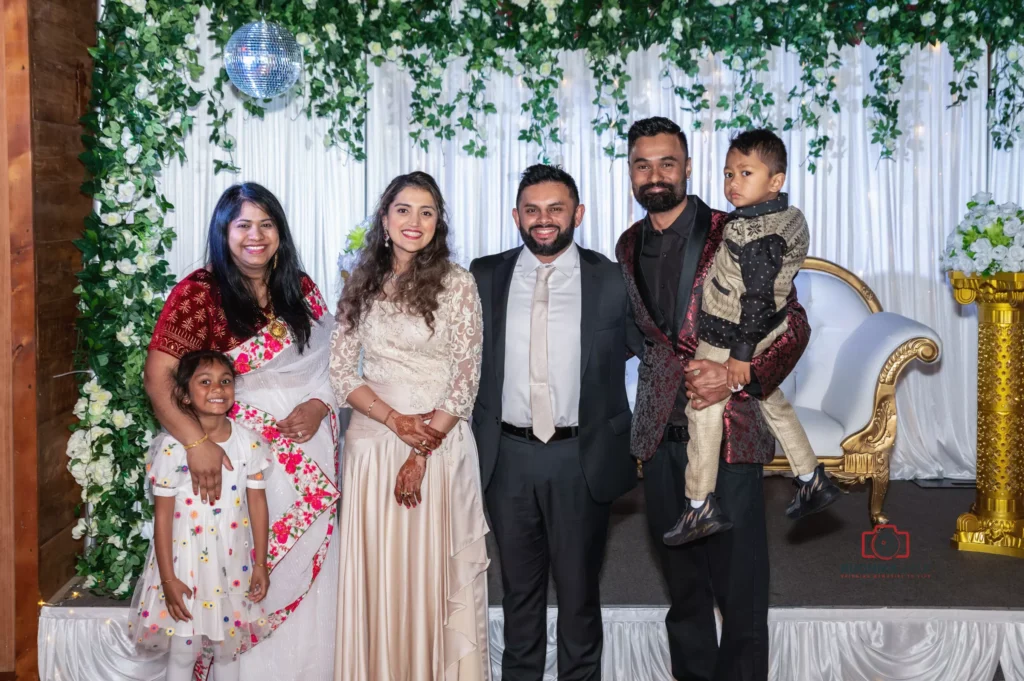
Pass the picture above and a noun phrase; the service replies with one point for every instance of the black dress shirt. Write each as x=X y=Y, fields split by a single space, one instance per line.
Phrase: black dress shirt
x=661 y=264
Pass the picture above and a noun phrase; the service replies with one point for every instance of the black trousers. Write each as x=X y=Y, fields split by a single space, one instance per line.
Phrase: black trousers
x=730 y=569
x=544 y=519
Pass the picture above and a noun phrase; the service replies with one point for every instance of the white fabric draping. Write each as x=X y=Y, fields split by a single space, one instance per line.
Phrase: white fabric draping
x=885 y=220
x=887 y=644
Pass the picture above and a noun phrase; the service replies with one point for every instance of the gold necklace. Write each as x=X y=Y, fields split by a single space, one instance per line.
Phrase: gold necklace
x=277 y=328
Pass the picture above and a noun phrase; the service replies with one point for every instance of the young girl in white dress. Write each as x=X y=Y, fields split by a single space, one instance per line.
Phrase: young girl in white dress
x=205 y=571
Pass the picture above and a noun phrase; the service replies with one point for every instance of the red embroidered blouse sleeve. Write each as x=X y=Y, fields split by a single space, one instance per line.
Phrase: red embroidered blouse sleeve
x=191 y=319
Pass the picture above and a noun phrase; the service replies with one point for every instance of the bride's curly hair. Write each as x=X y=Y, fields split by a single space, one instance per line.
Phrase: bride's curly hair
x=420 y=286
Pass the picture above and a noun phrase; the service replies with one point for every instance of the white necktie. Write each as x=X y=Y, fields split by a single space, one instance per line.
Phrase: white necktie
x=540 y=393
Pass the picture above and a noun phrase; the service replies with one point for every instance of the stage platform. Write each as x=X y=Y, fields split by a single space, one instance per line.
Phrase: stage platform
x=835 y=615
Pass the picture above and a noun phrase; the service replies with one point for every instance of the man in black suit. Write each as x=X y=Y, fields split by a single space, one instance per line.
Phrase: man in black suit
x=552 y=424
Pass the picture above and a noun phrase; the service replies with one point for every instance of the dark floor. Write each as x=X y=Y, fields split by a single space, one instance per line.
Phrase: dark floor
x=818 y=563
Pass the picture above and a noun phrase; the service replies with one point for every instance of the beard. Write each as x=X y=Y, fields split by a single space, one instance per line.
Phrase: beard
x=661 y=202
x=560 y=243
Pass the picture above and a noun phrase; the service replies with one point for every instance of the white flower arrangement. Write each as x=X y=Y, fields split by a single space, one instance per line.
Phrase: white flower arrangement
x=989 y=240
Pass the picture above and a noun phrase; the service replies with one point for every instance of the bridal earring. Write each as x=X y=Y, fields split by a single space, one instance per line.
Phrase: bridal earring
x=275 y=261
x=387 y=239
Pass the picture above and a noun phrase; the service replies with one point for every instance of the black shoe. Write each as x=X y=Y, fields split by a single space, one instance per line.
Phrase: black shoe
x=813 y=495
x=698 y=522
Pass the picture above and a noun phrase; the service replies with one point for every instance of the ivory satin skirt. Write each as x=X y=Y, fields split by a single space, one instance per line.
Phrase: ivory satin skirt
x=412 y=598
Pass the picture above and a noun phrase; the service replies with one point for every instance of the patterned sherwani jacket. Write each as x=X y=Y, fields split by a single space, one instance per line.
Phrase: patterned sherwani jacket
x=666 y=350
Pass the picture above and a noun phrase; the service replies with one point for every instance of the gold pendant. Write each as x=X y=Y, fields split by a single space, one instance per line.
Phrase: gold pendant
x=278 y=330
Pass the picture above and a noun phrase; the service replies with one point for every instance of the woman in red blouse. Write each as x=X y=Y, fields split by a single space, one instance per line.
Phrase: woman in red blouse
x=253 y=302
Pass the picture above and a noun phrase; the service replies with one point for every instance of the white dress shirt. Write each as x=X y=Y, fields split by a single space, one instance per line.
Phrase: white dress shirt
x=564 y=317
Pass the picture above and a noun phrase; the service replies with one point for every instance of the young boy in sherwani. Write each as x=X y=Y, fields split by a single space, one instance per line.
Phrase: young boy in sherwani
x=743 y=310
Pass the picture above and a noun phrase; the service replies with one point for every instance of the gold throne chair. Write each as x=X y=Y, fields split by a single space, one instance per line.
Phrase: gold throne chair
x=844 y=387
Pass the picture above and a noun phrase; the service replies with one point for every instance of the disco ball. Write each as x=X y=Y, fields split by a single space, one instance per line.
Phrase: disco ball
x=263 y=60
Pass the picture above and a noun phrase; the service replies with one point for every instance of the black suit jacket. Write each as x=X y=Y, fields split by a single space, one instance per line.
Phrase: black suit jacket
x=604 y=415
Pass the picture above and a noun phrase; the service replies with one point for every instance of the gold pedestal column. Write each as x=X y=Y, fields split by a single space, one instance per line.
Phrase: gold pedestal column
x=995 y=523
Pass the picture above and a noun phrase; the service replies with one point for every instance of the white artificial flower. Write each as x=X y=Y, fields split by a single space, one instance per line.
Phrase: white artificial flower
x=121 y=419
x=819 y=74
x=131 y=156
x=125 y=192
x=116 y=541
x=392 y=53
x=80 y=406
x=310 y=4
x=191 y=42
x=111 y=219
x=873 y=14
x=145 y=262
x=615 y=14
x=677 y=28
x=108 y=142
x=928 y=19
x=474 y=13
x=758 y=24
x=424 y=92
x=551 y=16
x=79 y=529
x=303 y=40
x=143 y=88
x=436 y=70
x=395 y=35
x=1015 y=253
x=332 y=32
x=136 y=5
x=124 y=336
x=147 y=294
x=174 y=120
x=98 y=409
x=552 y=4
x=131 y=33
x=904 y=48
x=133 y=478
x=1006 y=22
x=126 y=266
x=102 y=397
x=719 y=3
x=126 y=137
x=360 y=17
x=147 y=530
x=1011 y=226
x=374 y=15
x=999 y=253
x=982 y=262
x=981 y=198
x=376 y=49
x=947 y=22
x=1013 y=53
x=893 y=10
x=982 y=247
x=92 y=387
x=596 y=19
x=737 y=63
x=545 y=69
x=971 y=18
x=522 y=3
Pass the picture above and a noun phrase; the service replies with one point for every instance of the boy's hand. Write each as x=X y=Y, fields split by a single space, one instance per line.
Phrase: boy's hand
x=258 y=584
x=737 y=373
x=175 y=592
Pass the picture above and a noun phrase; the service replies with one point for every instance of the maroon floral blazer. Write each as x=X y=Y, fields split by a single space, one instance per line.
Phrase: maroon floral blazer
x=746 y=438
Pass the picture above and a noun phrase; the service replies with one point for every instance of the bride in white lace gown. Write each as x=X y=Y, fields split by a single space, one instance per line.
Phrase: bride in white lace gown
x=412 y=601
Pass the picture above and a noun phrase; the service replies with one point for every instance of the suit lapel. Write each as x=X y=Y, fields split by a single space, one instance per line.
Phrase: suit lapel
x=691 y=261
x=590 y=293
x=641 y=283
x=501 y=284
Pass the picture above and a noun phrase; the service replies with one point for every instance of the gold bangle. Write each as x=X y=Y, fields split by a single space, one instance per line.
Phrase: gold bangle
x=197 y=442
x=370 y=408
x=167 y=581
x=262 y=565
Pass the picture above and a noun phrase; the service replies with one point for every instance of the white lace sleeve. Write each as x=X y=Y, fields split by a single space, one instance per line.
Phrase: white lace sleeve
x=344 y=367
x=465 y=345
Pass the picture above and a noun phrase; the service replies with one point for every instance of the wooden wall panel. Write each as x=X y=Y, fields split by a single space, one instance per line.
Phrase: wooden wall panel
x=19 y=570
x=61 y=33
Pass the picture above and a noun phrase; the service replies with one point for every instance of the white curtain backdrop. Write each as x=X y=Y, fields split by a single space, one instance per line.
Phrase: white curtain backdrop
x=809 y=644
x=885 y=220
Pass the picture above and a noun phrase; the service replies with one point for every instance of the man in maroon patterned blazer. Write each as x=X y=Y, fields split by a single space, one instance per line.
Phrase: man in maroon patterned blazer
x=665 y=258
